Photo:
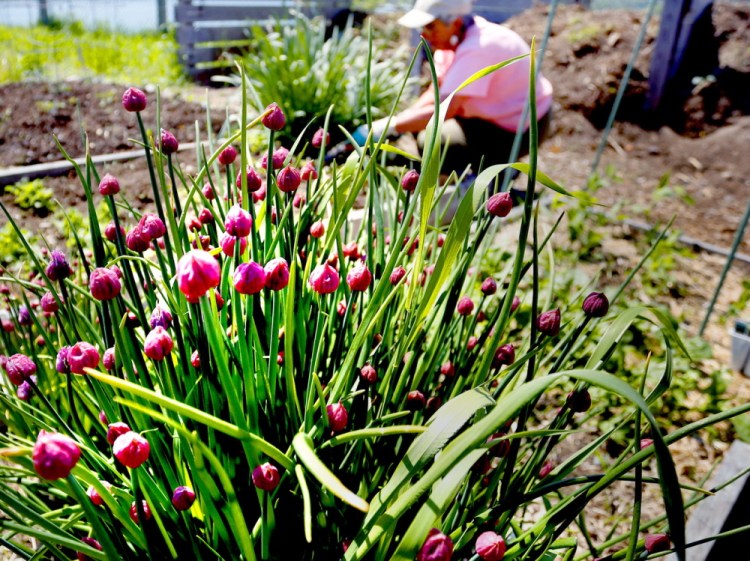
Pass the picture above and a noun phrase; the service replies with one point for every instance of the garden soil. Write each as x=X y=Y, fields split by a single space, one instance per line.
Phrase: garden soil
x=696 y=172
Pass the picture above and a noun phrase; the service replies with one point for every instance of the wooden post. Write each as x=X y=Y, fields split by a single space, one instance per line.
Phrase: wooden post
x=161 y=8
x=43 y=13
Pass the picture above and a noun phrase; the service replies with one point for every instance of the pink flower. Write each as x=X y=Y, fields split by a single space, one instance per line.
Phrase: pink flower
x=548 y=323
x=104 y=284
x=489 y=286
x=320 y=136
x=109 y=359
x=133 y=512
x=277 y=273
x=94 y=495
x=58 y=267
x=134 y=100
x=546 y=469
x=54 y=455
x=208 y=192
x=579 y=401
x=19 y=368
x=205 y=216
x=116 y=429
x=82 y=355
x=504 y=356
x=657 y=542
x=500 y=204
x=410 y=180
x=110 y=232
x=91 y=542
x=228 y=242
x=274 y=118
x=308 y=172
x=368 y=374
x=160 y=317
x=277 y=158
x=48 y=303
x=136 y=241
x=359 y=278
x=490 y=546
x=447 y=369
x=158 y=344
x=397 y=275
x=109 y=185
x=437 y=547
x=317 y=229
x=266 y=477
x=288 y=179
x=151 y=227
x=465 y=306
x=228 y=155
x=596 y=305
x=197 y=271
x=131 y=449
x=238 y=222
x=415 y=400
x=169 y=144
x=338 y=416
x=183 y=498
x=254 y=181
x=324 y=279
x=249 y=278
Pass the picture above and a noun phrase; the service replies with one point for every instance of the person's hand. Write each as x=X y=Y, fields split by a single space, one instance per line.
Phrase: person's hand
x=379 y=130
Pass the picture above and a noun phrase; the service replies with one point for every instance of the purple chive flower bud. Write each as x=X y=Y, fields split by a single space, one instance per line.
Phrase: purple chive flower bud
x=169 y=144
x=152 y=226
x=183 y=498
x=109 y=360
x=504 y=356
x=500 y=204
x=657 y=542
x=288 y=179
x=238 y=222
x=548 y=323
x=82 y=355
x=490 y=546
x=115 y=430
x=131 y=449
x=318 y=138
x=48 y=303
x=61 y=362
x=91 y=542
x=19 y=368
x=133 y=512
x=104 y=284
x=24 y=316
x=415 y=400
x=195 y=359
x=437 y=547
x=324 y=279
x=160 y=317
x=54 y=455
x=646 y=442
x=249 y=278
x=266 y=477
x=579 y=401
x=135 y=240
x=368 y=374
x=489 y=286
x=397 y=275
x=109 y=185
x=465 y=306
x=197 y=271
x=58 y=267
x=274 y=119
x=359 y=278
x=94 y=495
x=546 y=469
x=23 y=392
x=308 y=172
x=205 y=216
x=447 y=369
x=228 y=155
x=254 y=180
x=317 y=229
x=596 y=305
x=338 y=416
x=228 y=242
x=410 y=180
x=110 y=232
x=277 y=273
x=158 y=344
x=134 y=100
x=277 y=158
x=208 y=192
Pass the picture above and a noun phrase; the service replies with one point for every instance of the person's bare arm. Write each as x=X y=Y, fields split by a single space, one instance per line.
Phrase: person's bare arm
x=416 y=117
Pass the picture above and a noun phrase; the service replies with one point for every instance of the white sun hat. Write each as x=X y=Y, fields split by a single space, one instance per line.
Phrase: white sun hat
x=426 y=11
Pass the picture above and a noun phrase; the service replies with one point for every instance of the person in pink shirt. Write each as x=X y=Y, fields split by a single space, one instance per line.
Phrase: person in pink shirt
x=482 y=118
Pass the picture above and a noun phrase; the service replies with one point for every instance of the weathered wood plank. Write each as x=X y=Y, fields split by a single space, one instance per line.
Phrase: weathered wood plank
x=203 y=14
x=192 y=36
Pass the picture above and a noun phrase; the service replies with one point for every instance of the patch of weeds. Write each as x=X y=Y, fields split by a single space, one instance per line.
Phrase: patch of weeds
x=32 y=195
x=11 y=249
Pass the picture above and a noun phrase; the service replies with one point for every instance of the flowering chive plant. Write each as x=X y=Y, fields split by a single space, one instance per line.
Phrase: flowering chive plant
x=318 y=390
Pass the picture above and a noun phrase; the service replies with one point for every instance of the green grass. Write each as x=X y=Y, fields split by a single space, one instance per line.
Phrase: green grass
x=68 y=49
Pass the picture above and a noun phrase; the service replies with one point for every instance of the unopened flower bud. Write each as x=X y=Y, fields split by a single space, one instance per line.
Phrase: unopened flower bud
x=183 y=498
x=131 y=449
x=94 y=495
x=108 y=360
x=596 y=305
x=91 y=542
x=397 y=275
x=579 y=401
x=116 y=429
x=548 y=323
x=136 y=241
x=489 y=286
x=338 y=416
x=19 y=368
x=415 y=400
x=134 y=100
x=437 y=547
x=317 y=229
x=83 y=355
x=54 y=455
x=447 y=369
x=133 y=512
x=324 y=279
x=151 y=226
x=266 y=477
x=368 y=374
x=197 y=271
x=169 y=144
x=274 y=119
x=500 y=204
x=465 y=306
x=104 y=284
x=160 y=317
x=646 y=442
x=110 y=232
x=410 y=180
x=158 y=344
x=228 y=155
x=58 y=268
x=249 y=278
x=205 y=216
x=504 y=356
x=308 y=172
x=277 y=273
x=490 y=546
x=208 y=192
x=318 y=138
x=288 y=179
x=546 y=468
x=657 y=542
x=24 y=390
x=359 y=278
x=109 y=185
x=48 y=303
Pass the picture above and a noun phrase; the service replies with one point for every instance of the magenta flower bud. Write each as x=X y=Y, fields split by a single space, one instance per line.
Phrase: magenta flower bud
x=160 y=317
x=500 y=204
x=131 y=449
x=317 y=229
x=657 y=542
x=579 y=401
x=227 y=243
x=447 y=369
x=205 y=216
x=646 y=442
x=197 y=271
x=152 y=226
x=183 y=498
x=596 y=305
x=104 y=284
x=277 y=273
x=110 y=232
x=61 y=362
x=368 y=374
x=91 y=542
x=133 y=512
x=548 y=323
x=208 y=192
x=359 y=278
x=48 y=303
x=108 y=360
x=135 y=240
x=500 y=446
x=415 y=400
x=249 y=278
x=260 y=195
x=158 y=344
x=195 y=359
x=24 y=316
x=19 y=368
x=134 y=100
x=83 y=355
x=109 y=185
x=546 y=469
x=277 y=158
x=490 y=546
x=437 y=547
x=103 y=418
x=169 y=144
x=228 y=155
x=324 y=279
x=338 y=416
x=319 y=137
x=54 y=455
x=266 y=477
x=288 y=179
x=489 y=286
x=309 y=172
x=514 y=305
x=465 y=306
x=24 y=390
x=351 y=250
x=274 y=119
x=58 y=267
x=397 y=275
x=410 y=180
x=254 y=180
x=300 y=199
x=504 y=356
x=238 y=222
x=114 y=430
x=94 y=495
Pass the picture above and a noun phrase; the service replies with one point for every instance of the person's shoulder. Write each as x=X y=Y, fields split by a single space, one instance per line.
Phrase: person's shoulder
x=488 y=32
